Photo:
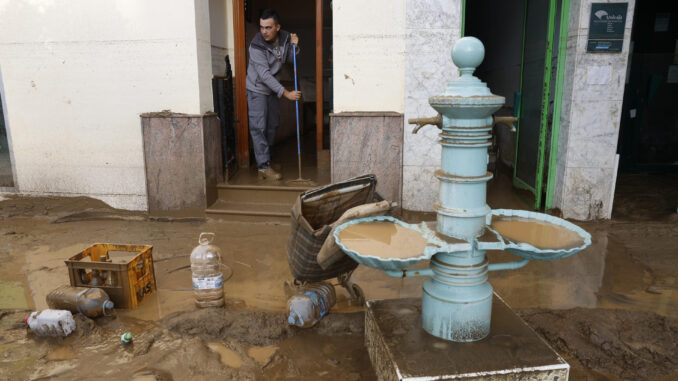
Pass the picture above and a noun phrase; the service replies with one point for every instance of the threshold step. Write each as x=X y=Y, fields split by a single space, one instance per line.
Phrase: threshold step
x=258 y=211
x=255 y=193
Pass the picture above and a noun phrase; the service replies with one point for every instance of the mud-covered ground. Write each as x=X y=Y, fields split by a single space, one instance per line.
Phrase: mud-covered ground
x=610 y=311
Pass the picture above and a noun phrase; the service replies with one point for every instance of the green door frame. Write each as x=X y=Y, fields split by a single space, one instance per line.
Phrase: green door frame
x=557 y=107
x=543 y=124
x=557 y=103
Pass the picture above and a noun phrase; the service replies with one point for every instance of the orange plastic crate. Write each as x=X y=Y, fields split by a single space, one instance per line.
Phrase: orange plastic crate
x=125 y=272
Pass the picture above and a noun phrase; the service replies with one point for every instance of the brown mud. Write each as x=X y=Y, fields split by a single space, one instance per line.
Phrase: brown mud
x=597 y=339
x=626 y=281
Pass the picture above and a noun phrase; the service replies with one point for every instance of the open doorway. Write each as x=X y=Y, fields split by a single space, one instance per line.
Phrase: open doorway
x=524 y=62
x=647 y=184
x=311 y=20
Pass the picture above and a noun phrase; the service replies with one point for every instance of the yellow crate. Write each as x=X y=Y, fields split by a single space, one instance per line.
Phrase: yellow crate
x=125 y=272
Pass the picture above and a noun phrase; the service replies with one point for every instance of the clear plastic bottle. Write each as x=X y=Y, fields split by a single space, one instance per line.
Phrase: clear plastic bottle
x=310 y=304
x=91 y=302
x=51 y=323
x=208 y=280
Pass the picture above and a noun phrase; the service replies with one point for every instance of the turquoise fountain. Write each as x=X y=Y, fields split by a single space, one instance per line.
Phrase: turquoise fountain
x=457 y=298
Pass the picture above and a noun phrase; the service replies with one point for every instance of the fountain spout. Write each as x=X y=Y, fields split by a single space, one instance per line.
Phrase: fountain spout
x=421 y=122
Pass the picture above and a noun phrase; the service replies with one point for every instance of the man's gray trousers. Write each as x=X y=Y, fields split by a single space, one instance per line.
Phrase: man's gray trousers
x=264 y=118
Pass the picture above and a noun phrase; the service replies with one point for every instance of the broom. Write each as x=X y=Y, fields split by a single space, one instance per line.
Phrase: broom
x=299 y=180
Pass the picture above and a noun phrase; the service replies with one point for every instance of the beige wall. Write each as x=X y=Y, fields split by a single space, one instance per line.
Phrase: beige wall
x=78 y=73
x=369 y=55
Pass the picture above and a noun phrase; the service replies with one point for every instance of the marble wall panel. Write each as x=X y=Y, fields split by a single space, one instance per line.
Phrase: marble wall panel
x=182 y=156
x=574 y=16
x=363 y=143
x=433 y=26
x=595 y=119
x=422 y=187
x=599 y=76
x=587 y=192
x=425 y=14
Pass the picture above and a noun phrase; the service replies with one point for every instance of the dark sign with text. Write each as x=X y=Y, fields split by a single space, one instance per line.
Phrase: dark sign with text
x=606 y=27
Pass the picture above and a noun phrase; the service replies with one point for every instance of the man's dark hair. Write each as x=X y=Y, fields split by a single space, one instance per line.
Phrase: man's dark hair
x=269 y=13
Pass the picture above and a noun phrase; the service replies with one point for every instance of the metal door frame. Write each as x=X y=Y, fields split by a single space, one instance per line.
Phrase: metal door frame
x=557 y=102
x=546 y=90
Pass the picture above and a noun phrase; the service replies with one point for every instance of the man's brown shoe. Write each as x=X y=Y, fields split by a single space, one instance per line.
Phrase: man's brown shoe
x=269 y=173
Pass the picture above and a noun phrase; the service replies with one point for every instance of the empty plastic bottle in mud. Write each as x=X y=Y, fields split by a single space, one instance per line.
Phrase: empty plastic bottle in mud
x=51 y=323
x=91 y=302
x=208 y=279
x=310 y=304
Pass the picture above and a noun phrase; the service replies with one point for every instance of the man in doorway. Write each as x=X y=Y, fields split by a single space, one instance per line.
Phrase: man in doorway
x=269 y=50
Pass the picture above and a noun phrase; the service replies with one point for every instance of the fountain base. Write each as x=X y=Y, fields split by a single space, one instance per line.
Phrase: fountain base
x=401 y=350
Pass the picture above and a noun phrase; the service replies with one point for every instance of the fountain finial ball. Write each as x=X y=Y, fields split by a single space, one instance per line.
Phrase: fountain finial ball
x=468 y=52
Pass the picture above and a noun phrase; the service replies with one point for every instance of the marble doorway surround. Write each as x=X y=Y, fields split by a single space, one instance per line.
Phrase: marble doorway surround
x=593 y=92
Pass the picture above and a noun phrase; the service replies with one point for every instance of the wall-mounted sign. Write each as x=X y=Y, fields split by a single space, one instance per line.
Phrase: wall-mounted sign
x=606 y=27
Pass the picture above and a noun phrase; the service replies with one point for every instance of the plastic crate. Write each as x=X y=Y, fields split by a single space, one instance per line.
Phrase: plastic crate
x=125 y=272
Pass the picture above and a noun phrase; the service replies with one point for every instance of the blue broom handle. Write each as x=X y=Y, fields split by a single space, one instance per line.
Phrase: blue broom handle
x=296 y=103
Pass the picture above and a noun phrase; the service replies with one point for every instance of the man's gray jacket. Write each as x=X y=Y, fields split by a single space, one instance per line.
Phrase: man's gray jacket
x=263 y=69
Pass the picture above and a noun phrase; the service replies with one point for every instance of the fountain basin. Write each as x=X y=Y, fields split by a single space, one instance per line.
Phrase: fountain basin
x=432 y=245
x=530 y=232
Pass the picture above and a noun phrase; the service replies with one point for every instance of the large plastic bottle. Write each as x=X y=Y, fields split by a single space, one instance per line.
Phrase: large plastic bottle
x=51 y=323
x=310 y=304
x=208 y=280
x=91 y=302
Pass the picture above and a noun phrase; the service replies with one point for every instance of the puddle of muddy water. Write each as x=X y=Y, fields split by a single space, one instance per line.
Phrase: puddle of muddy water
x=228 y=356
x=61 y=354
x=540 y=234
x=383 y=239
x=262 y=355
x=12 y=296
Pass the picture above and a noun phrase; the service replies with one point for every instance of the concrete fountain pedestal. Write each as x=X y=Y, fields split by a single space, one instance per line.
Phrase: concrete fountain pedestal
x=400 y=350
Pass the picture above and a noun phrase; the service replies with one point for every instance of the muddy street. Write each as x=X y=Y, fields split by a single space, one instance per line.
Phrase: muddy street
x=626 y=280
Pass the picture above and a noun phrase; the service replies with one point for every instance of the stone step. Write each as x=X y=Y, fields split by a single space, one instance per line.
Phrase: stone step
x=264 y=211
x=274 y=194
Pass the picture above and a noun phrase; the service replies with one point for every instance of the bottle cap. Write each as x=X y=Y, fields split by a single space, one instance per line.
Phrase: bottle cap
x=126 y=338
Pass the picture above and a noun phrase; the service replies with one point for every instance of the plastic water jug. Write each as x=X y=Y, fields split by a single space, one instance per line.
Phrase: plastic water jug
x=51 y=323
x=310 y=304
x=208 y=279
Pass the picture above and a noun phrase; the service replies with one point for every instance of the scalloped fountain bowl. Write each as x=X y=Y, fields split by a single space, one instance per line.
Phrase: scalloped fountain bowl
x=388 y=244
x=536 y=236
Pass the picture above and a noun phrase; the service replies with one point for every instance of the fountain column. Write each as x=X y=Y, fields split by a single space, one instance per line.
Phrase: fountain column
x=457 y=299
